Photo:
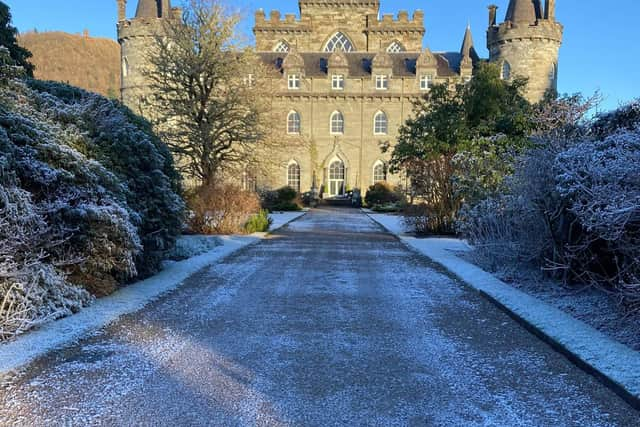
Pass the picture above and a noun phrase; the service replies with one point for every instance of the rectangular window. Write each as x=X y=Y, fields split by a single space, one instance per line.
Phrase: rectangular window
x=382 y=82
x=250 y=80
x=294 y=81
x=337 y=82
x=426 y=81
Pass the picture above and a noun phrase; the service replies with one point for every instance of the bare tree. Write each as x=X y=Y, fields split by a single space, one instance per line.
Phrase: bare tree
x=208 y=102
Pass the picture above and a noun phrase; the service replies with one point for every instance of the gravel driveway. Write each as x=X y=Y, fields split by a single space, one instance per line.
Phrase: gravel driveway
x=329 y=322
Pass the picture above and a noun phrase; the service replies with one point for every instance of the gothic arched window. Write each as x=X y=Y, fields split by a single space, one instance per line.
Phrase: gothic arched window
x=380 y=124
x=505 y=73
x=395 y=47
x=339 y=42
x=282 y=47
x=337 y=123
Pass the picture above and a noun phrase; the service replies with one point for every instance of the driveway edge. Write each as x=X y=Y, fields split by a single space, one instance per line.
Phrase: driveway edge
x=614 y=364
x=60 y=333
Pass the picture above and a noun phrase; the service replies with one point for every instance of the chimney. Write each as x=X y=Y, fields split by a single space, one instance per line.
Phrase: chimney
x=550 y=10
x=493 y=13
x=122 y=10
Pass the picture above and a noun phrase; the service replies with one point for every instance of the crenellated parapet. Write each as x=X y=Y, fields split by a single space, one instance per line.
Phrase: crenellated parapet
x=543 y=29
x=403 y=23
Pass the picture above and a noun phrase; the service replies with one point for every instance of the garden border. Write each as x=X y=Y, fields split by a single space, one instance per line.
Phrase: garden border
x=614 y=364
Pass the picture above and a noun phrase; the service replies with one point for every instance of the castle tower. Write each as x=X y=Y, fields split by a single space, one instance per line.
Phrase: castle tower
x=468 y=54
x=136 y=37
x=527 y=44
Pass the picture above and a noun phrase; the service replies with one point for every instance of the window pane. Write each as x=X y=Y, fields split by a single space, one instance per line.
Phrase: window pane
x=395 y=47
x=378 y=173
x=293 y=176
x=380 y=124
x=281 y=47
x=293 y=123
x=337 y=123
x=339 y=42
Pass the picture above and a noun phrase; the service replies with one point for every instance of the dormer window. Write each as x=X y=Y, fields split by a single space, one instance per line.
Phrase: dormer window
x=382 y=82
x=293 y=81
x=337 y=82
x=426 y=81
x=250 y=80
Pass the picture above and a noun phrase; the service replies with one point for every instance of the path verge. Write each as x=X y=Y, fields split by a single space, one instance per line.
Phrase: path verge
x=615 y=364
x=33 y=344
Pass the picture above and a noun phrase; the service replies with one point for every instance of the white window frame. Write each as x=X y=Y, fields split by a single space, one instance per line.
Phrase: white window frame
x=382 y=82
x=426 y=82
x=293 y=81
x=282 y=47
x=339 y=42
x=377 y=164
x=331 y=123
x=337 y=82
x=375 y=123
x=250 y=80
x=298 y=120
x=297 y=178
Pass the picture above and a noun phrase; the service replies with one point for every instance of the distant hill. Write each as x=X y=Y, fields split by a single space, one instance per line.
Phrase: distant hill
x=87 y=62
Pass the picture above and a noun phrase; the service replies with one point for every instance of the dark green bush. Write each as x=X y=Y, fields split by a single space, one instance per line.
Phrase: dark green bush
x=381 y=193
x=282 y=199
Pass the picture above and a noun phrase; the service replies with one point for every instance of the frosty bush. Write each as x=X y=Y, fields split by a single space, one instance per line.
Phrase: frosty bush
x=92 y=192
x=572 y=207
x=32 y=290
x=125 y=145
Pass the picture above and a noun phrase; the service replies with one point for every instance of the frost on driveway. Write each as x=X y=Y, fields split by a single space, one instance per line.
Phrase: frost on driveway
x=329 y=321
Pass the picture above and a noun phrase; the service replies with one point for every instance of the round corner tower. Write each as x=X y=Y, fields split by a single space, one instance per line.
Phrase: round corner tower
x=136 y=37
x=527 y=44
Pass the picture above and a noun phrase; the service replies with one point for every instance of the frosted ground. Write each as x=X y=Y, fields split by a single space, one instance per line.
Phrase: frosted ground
x=329 y=321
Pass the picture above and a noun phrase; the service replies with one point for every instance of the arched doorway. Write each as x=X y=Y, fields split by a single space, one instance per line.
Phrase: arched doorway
x=336 y=178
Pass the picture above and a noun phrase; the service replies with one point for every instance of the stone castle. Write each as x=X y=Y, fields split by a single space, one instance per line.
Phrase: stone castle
x=345 y=77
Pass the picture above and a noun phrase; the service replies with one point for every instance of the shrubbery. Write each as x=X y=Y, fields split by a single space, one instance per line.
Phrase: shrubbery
x=97 y=193
x=221 y=209
x=572 y=206
x=283 y=199
x=381 y=193
x=259 y=222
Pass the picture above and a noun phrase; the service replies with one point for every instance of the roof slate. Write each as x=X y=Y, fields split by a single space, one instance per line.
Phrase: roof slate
x=359 y=63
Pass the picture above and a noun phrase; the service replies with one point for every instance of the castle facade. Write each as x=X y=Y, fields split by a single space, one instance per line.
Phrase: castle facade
x=344 y=78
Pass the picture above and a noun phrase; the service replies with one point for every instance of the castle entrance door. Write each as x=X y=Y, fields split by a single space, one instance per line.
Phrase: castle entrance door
x=336 y=178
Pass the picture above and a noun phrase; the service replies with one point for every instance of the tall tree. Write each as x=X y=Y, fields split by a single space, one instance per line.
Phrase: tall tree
x=208 y=101
x=486 y=118
x=8 y=39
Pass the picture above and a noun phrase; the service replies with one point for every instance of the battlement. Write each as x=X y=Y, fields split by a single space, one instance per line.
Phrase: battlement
x=277 y=23
x=340 y=3
x=543 y=29
x=402 y=23
x=140 y=27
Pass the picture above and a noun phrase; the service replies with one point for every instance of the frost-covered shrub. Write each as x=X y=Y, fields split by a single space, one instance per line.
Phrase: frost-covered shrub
x=32 y=289
x=572 y=207
x=125 y=144
x=600 y=182
x=221 y=209
x=626 y=117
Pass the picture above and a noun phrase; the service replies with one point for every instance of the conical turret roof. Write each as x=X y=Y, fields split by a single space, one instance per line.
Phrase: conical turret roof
x=153 y=9
x=524 y=11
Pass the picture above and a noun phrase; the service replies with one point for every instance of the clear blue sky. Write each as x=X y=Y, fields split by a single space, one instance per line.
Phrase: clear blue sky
x=600 y=52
